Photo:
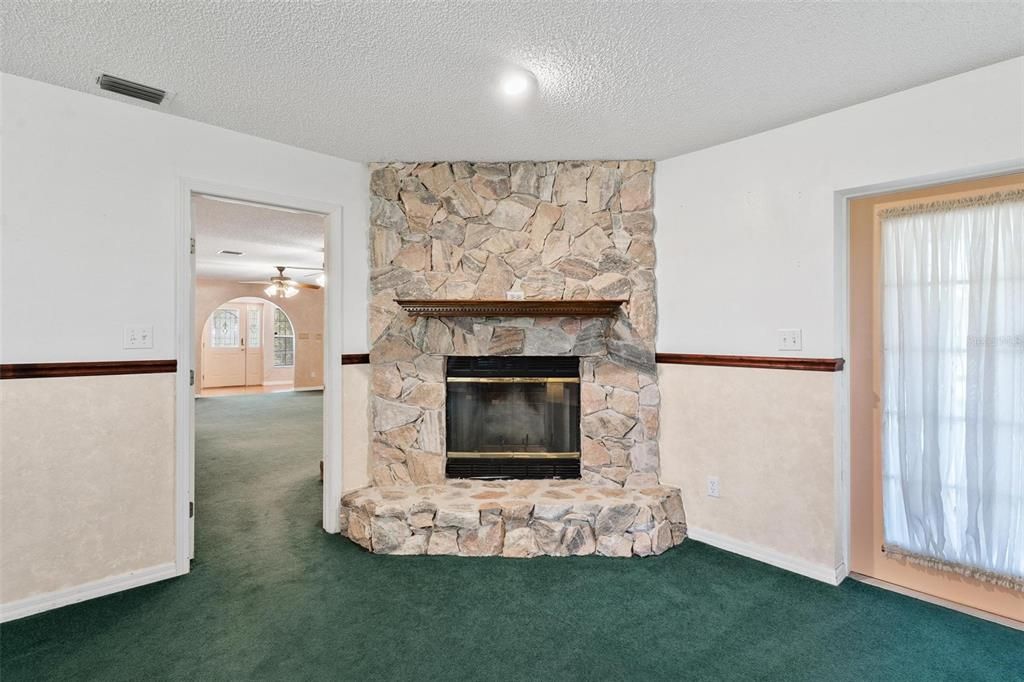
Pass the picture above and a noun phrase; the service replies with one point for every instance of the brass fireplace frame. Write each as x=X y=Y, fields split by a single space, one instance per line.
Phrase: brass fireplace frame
x=513 y=380
x=548 y=376
x=514 y=454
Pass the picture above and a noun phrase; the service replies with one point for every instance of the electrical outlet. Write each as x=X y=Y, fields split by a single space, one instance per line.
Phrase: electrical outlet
x=138 y=336
x=791 y=339
x=713 y=486
x=514 y=296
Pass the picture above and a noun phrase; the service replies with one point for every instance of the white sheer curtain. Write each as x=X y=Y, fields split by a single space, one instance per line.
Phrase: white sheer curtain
x=953 y=386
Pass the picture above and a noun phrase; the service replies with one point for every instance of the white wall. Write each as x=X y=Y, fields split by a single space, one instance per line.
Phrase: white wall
x=90 y=194
x=745 y=230
x=747 y=244
x=90 y=191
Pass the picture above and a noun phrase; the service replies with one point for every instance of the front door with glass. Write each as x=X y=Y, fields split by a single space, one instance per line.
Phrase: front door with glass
x=233 y=346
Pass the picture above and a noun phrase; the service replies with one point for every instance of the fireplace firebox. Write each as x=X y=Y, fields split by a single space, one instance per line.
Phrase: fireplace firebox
x=513 y=417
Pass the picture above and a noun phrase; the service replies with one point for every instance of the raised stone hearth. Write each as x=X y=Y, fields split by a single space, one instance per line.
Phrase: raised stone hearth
x=517 y=519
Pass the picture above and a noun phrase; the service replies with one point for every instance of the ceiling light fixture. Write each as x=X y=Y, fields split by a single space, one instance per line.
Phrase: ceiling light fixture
x=281 y=286
x=517 y=83
x=281 y=290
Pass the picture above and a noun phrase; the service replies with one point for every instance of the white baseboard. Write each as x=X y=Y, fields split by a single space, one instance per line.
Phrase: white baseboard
x=98 y=588
x=310 y=388
x=826 y=574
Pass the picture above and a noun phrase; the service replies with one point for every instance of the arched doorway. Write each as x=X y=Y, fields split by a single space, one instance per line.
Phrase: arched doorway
x=247 y=345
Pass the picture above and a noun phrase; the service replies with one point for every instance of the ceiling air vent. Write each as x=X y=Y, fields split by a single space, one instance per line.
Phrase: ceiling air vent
x=229 y=252
x=131 y=89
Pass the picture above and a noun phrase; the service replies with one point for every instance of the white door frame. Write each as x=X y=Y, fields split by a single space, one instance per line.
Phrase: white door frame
x=184 y=322
x=841 y=252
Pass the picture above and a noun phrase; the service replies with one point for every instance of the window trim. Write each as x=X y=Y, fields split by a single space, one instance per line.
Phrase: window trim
x=291 y=350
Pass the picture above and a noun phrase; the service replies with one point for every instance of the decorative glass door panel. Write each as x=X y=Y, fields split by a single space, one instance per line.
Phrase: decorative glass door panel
x=224 y=354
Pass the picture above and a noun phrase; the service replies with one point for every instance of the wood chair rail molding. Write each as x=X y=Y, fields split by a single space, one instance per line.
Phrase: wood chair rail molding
x=498 y=308
x=355 y=358
x=804 y=364
x=753 y=361
x=51 y=370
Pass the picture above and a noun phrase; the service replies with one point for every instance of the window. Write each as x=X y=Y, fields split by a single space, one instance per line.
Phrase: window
x=255 y=333
x=225 y=328
x=284 y=340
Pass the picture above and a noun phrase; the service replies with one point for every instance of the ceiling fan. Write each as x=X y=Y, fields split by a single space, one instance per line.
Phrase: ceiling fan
x=280 y=286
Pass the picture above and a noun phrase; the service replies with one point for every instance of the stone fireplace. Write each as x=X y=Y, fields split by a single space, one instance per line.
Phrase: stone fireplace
x=545 y=231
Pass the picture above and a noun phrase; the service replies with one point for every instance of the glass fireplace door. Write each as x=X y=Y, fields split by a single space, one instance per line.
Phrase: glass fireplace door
x=513 y=417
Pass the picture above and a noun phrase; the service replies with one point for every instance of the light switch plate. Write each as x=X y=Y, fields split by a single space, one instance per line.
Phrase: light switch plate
x=713 y=488
x=791 y=339
x=138 y=336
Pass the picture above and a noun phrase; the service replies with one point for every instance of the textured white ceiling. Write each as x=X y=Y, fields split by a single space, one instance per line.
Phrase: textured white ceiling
x=416 y=80
x=267 y=236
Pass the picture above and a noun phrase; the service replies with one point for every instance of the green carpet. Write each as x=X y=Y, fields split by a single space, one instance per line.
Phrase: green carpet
x=271 y=596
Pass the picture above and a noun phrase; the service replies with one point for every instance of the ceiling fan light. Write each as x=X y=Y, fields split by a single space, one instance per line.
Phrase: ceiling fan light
x=281 y=290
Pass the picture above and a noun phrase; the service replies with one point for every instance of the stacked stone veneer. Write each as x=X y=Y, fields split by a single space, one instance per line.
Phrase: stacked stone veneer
x=552 y=230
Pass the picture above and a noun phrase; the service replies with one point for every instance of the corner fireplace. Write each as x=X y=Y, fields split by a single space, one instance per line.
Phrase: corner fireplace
x=513 y=417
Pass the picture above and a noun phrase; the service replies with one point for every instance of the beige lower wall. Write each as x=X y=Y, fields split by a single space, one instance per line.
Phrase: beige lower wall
x=768 y=436
x=86 y=480
x=87 y=476
x=355 y=396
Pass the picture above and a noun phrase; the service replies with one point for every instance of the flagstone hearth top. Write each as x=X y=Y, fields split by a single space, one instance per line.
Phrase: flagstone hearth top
x=500 y=308
x=514 y=518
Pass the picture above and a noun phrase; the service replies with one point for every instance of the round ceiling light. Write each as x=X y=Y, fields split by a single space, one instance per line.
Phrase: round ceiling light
x=517 y=83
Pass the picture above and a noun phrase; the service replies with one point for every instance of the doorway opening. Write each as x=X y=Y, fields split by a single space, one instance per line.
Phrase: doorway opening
x=258 y=339
x=885 y=397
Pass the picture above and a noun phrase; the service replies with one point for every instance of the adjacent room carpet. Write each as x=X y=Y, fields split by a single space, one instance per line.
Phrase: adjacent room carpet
x=271 y=596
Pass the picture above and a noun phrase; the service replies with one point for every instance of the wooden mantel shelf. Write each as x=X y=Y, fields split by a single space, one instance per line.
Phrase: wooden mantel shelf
x=535 y=308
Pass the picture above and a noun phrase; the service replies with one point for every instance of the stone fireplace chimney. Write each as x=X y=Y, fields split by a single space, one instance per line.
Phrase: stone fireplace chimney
x=548 y=231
